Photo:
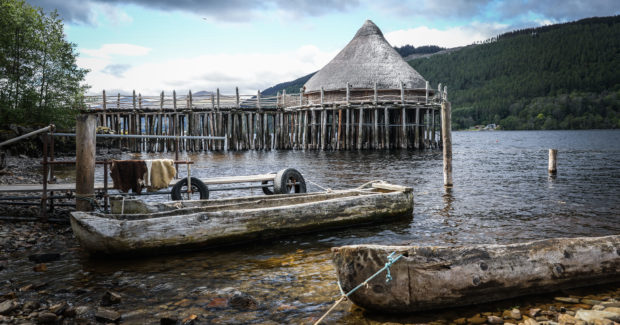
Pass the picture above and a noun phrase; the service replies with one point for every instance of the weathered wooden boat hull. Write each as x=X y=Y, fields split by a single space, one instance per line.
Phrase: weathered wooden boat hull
x=195 y=224
x=439 y=277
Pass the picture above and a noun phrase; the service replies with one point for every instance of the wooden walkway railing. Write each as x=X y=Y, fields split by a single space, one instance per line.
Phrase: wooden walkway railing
x=284 y=121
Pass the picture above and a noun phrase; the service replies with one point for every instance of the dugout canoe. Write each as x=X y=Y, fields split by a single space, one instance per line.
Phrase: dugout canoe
x=172 y=226
x=440 y=277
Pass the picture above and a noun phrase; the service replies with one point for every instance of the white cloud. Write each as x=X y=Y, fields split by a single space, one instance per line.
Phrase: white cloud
x=451 y=37
x=248 y=71
x=107 y=50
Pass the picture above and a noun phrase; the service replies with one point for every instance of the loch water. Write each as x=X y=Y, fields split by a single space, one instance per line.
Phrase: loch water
x=502 y=194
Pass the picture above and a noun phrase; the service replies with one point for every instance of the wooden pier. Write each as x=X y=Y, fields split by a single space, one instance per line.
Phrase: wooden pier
x=376 y=119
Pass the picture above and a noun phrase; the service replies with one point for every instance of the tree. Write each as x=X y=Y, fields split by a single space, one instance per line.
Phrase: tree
x=40 y=82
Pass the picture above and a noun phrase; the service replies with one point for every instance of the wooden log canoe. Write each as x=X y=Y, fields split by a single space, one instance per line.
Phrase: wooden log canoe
x=173 y=226
x=440 y=277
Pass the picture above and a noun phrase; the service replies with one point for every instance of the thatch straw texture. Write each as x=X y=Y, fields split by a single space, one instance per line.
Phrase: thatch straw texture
x=368 y=58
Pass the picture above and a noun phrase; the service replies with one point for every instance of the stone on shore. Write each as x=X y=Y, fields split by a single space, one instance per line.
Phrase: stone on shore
x=592 y=315
x=8 y=306
x=477 y=320
x=569 y=300
x=110 y=298
x=591 y=301
x=58 y=308
x=495 y=320
x=107 y=315
x=613 y=309
x=243 y=301
x=47 y=318
x=565 y=319
x=534 y=312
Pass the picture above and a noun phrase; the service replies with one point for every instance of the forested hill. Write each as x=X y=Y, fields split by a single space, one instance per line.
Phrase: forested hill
x=291 y=87
x=564 y=76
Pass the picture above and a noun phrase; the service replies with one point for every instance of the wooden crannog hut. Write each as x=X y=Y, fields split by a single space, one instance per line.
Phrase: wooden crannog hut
x=386 y=103
x=367 y=97
x=366 y=63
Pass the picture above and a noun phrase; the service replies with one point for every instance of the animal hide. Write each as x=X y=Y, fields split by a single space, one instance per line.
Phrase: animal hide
x=128 y=174
x=162 y=172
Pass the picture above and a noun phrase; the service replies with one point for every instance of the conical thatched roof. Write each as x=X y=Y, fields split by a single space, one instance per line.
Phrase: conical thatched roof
x=367 y=59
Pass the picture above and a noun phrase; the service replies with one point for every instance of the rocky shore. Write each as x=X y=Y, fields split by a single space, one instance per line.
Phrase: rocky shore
x=46 y=279
x=40 y=252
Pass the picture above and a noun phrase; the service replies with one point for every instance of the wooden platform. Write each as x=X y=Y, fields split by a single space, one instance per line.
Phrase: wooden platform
x=99 y=186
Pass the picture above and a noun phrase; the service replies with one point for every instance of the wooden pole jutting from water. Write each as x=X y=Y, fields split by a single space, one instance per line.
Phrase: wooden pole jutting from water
x=403 y=139
x=85 y=162
x=360 y=131
x=446 y=137
x=553 y=154
x=386 y=115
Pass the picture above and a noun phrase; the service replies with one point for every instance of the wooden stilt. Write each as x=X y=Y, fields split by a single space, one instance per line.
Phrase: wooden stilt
x=387 y=127
x=360 y=130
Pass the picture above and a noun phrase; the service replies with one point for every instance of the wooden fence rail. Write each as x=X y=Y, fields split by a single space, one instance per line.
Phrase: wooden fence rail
x=284 y=121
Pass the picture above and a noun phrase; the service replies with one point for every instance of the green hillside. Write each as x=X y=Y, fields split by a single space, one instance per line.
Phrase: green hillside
x=564 y=76
x=291 y=87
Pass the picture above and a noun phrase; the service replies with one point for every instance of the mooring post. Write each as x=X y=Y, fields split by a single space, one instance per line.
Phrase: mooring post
x=85 y=162
x=553 y=153
x=446 y=136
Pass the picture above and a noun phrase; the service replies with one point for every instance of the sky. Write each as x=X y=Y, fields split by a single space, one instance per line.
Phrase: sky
x=162 y=45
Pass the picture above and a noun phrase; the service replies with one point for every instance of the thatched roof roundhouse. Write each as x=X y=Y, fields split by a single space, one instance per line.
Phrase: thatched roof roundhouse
x=366 y=60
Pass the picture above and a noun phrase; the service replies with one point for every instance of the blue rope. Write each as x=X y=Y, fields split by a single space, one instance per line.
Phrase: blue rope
x=344 y=296
x=388 y=277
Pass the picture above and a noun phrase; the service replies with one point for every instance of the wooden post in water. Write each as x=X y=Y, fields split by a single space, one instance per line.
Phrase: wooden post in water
x=386 y=121
x=360 y=131
x=553 y=153
x=446 y=135
x=403 y=140
x=85 y=162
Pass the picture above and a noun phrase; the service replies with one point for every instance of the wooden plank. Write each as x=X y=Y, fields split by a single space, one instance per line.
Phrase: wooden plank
x=390 y=187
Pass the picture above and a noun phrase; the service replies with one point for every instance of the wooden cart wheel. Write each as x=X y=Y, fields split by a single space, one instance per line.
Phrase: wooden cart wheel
x=289 y=180
x=179 y=190
x=266 y=189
